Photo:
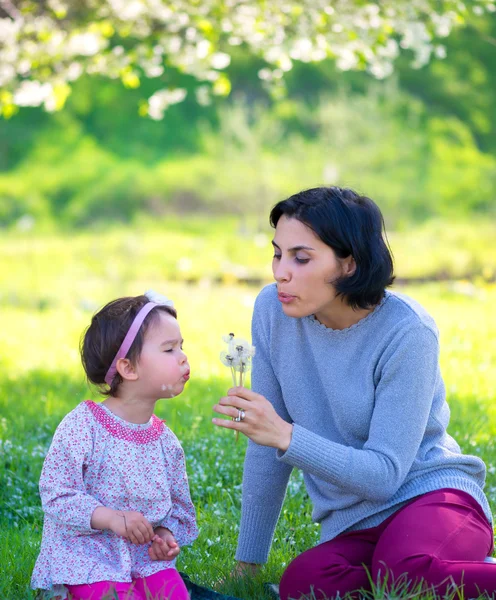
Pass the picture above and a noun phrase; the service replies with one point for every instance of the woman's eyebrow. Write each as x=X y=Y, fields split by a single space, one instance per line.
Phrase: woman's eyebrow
x=294 y=248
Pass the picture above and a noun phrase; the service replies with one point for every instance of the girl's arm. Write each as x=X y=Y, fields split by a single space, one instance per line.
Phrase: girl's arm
x=181 y=520
x=62 y=489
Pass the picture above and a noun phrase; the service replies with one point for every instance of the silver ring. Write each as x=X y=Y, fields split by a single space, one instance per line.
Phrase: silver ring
x=240 y=417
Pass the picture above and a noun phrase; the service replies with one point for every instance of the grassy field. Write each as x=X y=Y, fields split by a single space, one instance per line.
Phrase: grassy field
x=50 y=288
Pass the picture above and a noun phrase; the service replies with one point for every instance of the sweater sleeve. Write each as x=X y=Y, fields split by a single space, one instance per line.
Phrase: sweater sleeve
x=62 y=488
x=403 y=399
x=264 y=477
x=181 y=520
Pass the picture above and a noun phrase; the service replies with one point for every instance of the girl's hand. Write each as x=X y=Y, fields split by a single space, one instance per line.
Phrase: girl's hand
x=164 y=545
x=132 y=526
x=261 y=423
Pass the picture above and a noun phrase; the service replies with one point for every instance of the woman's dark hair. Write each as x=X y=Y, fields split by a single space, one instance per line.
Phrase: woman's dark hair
x=103 y=338
x=351 y=225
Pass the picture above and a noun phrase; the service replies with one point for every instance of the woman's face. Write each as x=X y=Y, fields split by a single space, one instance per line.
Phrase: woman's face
x=304 y=268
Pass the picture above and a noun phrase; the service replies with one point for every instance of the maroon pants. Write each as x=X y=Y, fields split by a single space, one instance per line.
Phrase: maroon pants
x=440 y=539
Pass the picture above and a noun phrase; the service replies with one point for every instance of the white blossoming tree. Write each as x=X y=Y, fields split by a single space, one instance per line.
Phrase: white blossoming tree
x=45 y=45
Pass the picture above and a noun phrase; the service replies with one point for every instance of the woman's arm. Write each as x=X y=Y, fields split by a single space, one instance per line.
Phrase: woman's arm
x=265 y=478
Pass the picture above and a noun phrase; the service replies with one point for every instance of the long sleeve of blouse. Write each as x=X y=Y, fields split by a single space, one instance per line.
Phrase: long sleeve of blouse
x=181 y=518
x=63 y=491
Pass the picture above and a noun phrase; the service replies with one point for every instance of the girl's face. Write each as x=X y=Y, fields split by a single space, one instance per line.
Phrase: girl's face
x=304 y=268
x=162 y=367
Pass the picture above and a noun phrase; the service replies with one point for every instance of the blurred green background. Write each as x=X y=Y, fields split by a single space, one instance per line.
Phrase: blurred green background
x=421 y=143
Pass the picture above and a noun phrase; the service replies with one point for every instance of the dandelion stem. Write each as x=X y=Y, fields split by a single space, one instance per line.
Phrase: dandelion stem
x=240 y=384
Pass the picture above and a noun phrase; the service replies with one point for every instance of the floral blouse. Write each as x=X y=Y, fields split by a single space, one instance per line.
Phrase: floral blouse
x=98 y=459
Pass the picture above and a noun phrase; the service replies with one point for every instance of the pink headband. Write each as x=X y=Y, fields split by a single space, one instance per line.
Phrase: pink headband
x=129 y=339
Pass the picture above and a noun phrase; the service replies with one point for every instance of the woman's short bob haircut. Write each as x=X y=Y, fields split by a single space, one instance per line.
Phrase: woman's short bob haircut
x=350 y=224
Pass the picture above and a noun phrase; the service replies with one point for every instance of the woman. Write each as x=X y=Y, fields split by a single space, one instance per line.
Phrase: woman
x=347 y=388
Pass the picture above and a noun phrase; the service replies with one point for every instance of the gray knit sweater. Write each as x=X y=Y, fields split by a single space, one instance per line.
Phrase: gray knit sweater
x=369 y=412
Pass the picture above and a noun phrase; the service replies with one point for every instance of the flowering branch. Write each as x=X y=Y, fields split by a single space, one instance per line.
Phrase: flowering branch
x=46 y=46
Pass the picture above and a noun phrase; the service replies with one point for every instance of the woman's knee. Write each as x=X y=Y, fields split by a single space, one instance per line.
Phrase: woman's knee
x=294 y=578
x=304 y=575
x=400 y=570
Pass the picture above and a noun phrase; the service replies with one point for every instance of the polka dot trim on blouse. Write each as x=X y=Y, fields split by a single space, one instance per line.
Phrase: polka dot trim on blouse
x=105 y=418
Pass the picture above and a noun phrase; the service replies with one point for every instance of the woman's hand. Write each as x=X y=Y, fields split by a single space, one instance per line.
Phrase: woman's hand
x=260 y=423
x=164 y=545
x=240 y=571
x=244 y=569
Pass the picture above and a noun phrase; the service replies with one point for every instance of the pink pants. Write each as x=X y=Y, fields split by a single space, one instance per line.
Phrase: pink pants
x=164 y=585
x=441 y=538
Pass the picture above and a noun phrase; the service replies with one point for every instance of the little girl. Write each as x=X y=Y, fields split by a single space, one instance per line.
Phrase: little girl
x=113 y=487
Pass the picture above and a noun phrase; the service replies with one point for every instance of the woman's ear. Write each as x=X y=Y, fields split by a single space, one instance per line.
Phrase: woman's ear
x=348 y=265
x=126 y=369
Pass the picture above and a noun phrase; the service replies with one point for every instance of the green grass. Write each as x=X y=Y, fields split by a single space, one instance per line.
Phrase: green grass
x=49 y=291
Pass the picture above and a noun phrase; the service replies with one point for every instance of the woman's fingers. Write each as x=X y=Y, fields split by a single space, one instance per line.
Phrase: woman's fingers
x=245 y=393
x=229 y=411
x=229 y=424
x=235 y=401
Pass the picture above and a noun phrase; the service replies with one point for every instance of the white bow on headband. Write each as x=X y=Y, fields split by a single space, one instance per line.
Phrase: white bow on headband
x=157 y=298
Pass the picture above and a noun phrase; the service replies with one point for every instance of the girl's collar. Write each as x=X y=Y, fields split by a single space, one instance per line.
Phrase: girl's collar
x=139 y=433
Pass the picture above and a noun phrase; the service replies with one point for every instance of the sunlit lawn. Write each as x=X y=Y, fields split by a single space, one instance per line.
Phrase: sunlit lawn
x=47 y=300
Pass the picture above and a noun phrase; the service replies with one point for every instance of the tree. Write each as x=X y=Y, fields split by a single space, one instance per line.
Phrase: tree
x=45 y=45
